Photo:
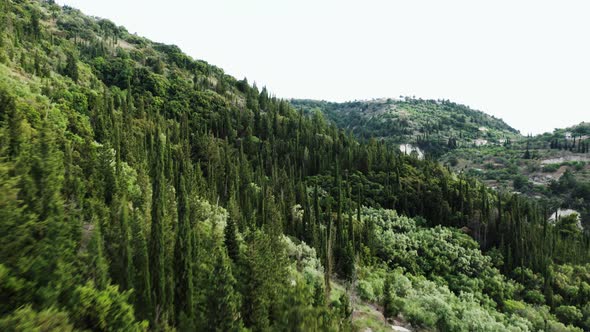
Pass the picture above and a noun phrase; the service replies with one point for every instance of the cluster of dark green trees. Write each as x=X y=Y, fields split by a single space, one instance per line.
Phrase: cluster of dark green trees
x=579 y=147
x=139 y=187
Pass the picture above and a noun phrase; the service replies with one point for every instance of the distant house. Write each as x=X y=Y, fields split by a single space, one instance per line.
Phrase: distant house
x=561 y=213
x=568 y=135
x=480 y=142
x=409 y=149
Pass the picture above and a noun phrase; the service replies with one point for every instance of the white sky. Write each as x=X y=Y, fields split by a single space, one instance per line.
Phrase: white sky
x=527 y=62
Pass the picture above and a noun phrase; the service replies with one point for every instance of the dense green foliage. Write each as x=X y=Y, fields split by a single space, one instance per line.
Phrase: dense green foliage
x=479 y=145
x=475 y=143
x=143 y=190
x=437 y=278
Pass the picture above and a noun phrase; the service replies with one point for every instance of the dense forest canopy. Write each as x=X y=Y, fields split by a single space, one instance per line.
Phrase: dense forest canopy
x=143 y=190
x=554 y=166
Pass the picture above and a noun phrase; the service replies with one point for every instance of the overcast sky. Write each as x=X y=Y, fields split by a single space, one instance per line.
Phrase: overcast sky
x=527 y=62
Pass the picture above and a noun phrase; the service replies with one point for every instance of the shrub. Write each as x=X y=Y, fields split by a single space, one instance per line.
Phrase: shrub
x=102 y=309
x=550 y=168
x=535 y=297
x=513 y=306
x=365 y=290
x=27 y=319
x=521 y=183
x=568 y=314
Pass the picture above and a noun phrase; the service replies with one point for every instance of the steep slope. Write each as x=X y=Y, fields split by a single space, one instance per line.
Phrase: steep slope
x=143 y=190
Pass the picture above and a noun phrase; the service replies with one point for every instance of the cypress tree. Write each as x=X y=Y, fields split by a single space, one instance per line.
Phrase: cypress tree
x=53 y=247
x=125 y=245
x=319 y=294
x=71 y=68
x=527 y=154
x=350 y=226
x=157 y=241
x=183 y=276
x=231 y=242
x=388 y=306
x=13 y=116
x=257 y=281
x=142 y=296
x=222 y=299
x=97 y=266
x=328 y=252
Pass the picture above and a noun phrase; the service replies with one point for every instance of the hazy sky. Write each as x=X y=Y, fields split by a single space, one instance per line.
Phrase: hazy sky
x=527 y=62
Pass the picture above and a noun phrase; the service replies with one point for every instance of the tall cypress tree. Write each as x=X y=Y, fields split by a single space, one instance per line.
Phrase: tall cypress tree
x=125 y=246
x=142 y=295
x=230 y=240
x=14 y=117
x=71 y=68
x=183 y=276
x=97 y=265
x=157 y=242
x=222 y=299
x=53 y=246
x=388 y=305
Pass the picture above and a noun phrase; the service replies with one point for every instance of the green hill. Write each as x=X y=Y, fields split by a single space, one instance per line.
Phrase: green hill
x=434 y=126
x=141 y=189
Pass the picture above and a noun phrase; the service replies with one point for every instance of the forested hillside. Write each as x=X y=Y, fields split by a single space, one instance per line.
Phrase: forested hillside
x=435 y=126
x=142 y=190
x=476 y=144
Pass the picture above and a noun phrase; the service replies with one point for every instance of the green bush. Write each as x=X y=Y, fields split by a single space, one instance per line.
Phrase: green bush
x=521 y=183
x=568 y=314
x=535 y=297
x=513 y=306
x=104 y=309
x=550 y=168
x=27 y=319
x=365 y=290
